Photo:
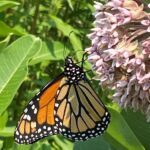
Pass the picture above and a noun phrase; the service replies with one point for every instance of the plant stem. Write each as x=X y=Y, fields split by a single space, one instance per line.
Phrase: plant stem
x=35 y=17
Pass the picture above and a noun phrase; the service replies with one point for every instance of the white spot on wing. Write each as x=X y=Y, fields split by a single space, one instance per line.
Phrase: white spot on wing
x=35 y=111
x=25 y=117
x=26 y=110
x=33 y=106
x=28 y=117
x=17 y=133
x=39 y=130
x=104 y=118
x=31 y=103
x=49 y=128
x=56 y=105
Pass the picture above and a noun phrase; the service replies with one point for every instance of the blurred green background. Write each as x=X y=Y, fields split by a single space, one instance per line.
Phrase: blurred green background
x=33 y=35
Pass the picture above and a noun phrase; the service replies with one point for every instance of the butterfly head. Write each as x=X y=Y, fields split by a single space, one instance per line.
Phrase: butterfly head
x=73 y=72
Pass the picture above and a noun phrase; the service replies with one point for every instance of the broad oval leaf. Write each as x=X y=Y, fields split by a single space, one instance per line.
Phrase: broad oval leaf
x=70 y=32
x=139 y=125
x=5 y=30
x=3 y=120
x=120 y=135
x=51 y=50
x=7 y=132
x=1 y=144
x=94 y=144
x=4 y=42
x=14 y=61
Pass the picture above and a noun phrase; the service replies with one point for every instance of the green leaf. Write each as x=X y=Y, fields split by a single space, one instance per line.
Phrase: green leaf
x=1 y=144
x=14 y=61
x=45 y=145
x=120 y=135
x=92 y=144
x=21 y=147
x=42 y=146
x=70 y=4
x=63 y=143
x=8 y=143
x=4 y=43
x=3 y=119
x=139 y=125
x=5 y=30
x=7 y=132
x=147 y=1
x=65 y=28
x=7 y=4
x=51 y=50
x=70 y=32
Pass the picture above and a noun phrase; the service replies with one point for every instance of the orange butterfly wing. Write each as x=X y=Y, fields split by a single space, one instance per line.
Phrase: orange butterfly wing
x=37 y=120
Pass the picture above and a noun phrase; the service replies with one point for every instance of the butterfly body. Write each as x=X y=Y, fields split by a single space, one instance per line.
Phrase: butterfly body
x=68 y=106
x=73 y=72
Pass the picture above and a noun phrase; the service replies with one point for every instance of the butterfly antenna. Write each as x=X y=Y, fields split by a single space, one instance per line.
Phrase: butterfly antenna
x=64 y=52
x=83 y=59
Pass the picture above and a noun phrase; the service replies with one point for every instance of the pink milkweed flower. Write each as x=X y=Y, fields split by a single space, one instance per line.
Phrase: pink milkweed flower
x=146 y=47
x=115 y=3
x=145 y=81
x=120 y=52
x=105 y=21
x=146 y=22
x=98 y=6
x=123 y=17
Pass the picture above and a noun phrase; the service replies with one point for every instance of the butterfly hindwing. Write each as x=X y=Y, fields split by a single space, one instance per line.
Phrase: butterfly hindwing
x=80 y=114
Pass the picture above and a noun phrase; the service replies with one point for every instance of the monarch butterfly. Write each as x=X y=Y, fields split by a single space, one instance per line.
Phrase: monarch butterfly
x=68 y=106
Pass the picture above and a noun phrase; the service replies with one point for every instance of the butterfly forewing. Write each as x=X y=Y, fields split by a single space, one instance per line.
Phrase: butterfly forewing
x=37 y=120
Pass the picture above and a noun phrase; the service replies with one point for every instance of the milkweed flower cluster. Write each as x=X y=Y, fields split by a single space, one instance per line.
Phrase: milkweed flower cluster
x=120 y=52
